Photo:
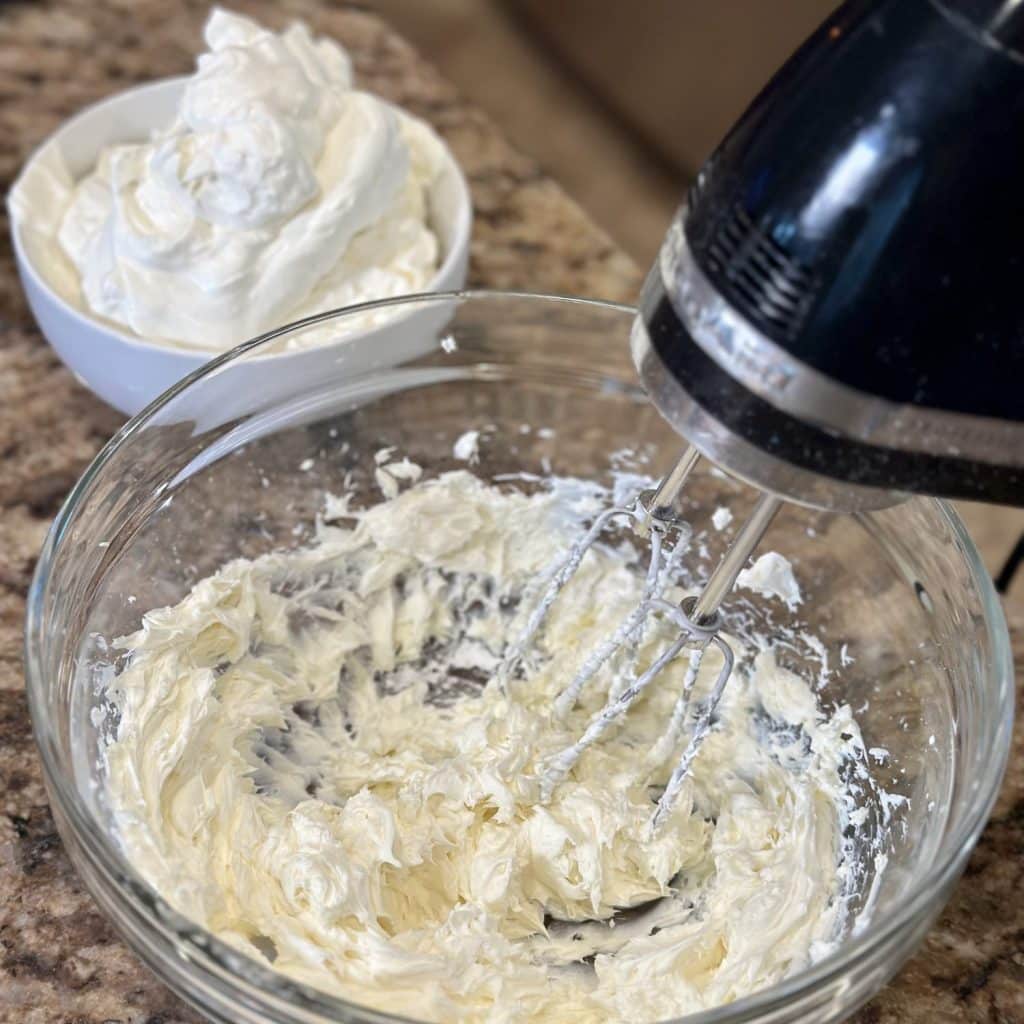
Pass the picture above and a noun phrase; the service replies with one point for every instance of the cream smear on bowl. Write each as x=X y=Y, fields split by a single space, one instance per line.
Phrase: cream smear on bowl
x=312 y=758
x=278 y=191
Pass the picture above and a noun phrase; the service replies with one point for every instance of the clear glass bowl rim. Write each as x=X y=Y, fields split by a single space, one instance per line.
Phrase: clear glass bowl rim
x=214 y=957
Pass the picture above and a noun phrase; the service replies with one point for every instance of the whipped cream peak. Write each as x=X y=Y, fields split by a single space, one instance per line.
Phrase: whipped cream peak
x=277 y=192
x=252 y=123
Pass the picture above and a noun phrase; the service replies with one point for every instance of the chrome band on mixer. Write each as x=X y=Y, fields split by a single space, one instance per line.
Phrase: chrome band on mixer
x=801 y=391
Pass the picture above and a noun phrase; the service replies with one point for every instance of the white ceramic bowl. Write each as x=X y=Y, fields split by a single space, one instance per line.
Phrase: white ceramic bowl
x=129 y=371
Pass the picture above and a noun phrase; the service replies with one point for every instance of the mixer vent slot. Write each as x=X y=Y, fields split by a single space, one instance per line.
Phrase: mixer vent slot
x=771 y=288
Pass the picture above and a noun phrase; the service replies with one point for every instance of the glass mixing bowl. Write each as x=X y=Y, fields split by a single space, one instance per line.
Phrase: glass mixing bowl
x=236 y=461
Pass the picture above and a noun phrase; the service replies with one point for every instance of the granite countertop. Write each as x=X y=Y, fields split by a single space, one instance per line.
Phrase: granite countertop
x=60 y=962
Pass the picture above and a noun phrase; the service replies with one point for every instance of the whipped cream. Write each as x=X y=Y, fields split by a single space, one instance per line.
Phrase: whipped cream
x=313 y=760
x=467 y=447
x=279 y=191
x=721 y=518
x=771 y=575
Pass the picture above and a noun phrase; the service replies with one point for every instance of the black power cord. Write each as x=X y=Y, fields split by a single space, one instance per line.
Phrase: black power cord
x=1010 y=567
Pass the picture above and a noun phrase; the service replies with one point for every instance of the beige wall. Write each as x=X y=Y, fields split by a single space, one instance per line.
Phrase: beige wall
x=620 y=100
x=679 y=72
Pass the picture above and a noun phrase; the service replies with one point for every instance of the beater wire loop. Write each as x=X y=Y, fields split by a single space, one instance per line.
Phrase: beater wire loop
x=562 y=575
x=696 y=620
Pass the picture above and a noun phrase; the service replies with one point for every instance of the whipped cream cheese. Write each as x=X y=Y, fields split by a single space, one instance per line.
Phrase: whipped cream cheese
x=313 y=759
x=771 y=575
x=279 y=191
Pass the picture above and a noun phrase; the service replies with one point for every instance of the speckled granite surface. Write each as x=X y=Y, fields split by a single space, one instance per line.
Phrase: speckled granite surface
x=59 y=960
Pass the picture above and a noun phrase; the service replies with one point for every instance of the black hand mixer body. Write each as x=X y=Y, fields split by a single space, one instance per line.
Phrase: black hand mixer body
x=837 y=314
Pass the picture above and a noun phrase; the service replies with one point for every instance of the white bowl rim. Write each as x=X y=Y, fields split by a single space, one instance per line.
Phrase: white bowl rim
x=461 y=231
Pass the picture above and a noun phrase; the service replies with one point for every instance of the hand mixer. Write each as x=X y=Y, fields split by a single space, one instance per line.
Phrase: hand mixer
x=837 y=312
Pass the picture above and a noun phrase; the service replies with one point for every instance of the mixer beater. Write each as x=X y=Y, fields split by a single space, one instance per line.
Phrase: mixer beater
x=653 y=515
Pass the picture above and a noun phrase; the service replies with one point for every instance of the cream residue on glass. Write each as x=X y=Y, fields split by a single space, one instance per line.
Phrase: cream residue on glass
x=278 y=191
x=314 y=761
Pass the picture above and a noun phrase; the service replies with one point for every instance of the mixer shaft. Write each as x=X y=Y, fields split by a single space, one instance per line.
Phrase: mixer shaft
x=723 y=579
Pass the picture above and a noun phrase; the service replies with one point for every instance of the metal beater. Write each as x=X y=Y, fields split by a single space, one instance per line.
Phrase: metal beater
x=653 y=515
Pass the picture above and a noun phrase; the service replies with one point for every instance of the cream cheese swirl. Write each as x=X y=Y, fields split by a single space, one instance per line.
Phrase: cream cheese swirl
x=312 y=758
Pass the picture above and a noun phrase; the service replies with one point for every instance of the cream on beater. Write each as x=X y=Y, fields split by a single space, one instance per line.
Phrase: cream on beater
x=313 y=758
